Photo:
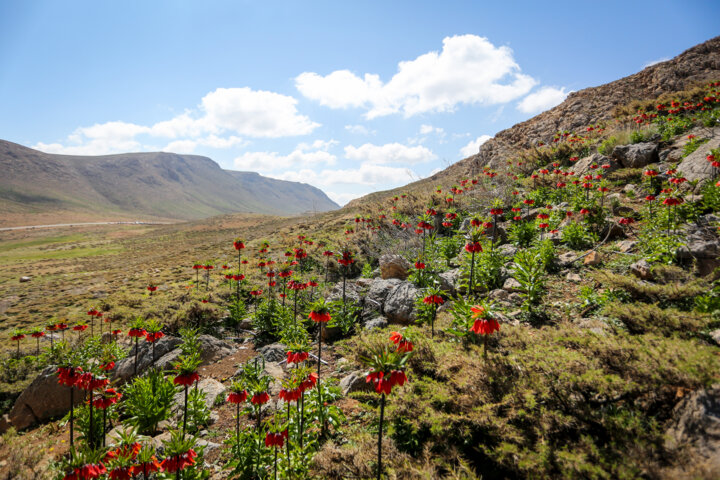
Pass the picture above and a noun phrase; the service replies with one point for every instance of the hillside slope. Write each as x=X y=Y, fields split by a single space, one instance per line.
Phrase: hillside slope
x=580 y=109
x=160 y=185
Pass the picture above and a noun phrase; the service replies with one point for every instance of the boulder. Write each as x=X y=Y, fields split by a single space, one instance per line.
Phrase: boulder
x=355 y=382
x=42 y=400
x=275 y=352
x=637 y=155
x=566 y=259
x=507 y=250
x=696 y=425
x=375 y=323
x=449 y=280
x=378 y=293
x=512 y=285
x=124 y=368
x=715 y=335
x=400 y=304
x=394 y=266
x=213 y=349
x=702 y=245
x=573 y=277
x=626 y=245
x=498 y=295
x=351 y=292
x=582 y=166
x=641 y=269
x=695 y=166
x=212 y=388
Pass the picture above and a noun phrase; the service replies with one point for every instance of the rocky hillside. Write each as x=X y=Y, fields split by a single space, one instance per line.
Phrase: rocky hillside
x=159 y=185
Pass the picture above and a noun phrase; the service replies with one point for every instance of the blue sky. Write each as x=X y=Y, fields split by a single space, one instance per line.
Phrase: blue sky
x=351 y=97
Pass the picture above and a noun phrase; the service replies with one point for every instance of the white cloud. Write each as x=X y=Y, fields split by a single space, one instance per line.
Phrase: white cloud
x=343 y=198
x=543 y=99
x=359 y=130
x=366 y=174
x=272 y=161
x=427 y=129
x=389 y=153
x=655 y=62
x=468 y=70
x=474 y=145
x=224 y=111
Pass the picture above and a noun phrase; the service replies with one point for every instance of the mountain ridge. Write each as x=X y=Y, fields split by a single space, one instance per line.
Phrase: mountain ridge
x=151 y=184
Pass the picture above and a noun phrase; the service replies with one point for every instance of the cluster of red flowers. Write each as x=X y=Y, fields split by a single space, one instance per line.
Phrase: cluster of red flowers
x=385 y=381
x=86 y=472
x=276 y=439
x=179 y=462
x=403 y=344
x=152 y=337
x=296 y=357
x=107 y=398
x=260 y=398
x=237 y=397
x=433 y=300
x=483 y=325
x=186 y=379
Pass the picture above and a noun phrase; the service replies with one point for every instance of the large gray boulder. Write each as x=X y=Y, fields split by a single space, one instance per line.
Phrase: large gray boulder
x=702 y=246
x=400 y=303
x=449 y=281
x=125 y=368
x=695 y=166
x=378 y=293
x=394 y=266
x=274 y=352
x=212 y=388
x=696 y=425
x=637 y=155
x=213 y=349
x=44 y=399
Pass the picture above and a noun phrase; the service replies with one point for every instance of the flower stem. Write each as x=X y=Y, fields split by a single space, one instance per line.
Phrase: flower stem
x=382 y=414
x=185 y=412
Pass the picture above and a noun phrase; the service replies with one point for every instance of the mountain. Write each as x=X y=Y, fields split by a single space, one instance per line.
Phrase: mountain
x=695 y=66
x=147 y=185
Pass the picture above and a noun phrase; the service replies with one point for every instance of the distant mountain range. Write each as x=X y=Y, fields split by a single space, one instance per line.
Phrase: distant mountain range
x=148 y=185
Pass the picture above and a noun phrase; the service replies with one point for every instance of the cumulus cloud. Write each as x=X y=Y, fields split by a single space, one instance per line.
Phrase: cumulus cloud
x=266 y=162
x=389 y=153
x=543 y=99
x=217 y=122
x=342 y=198
x=359 y=130
x=468 y=70
x=365 y=174
x=474 y=145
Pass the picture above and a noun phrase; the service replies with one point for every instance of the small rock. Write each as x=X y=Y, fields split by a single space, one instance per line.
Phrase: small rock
x=715 y=335
x=512 y=285
x=629 y=188
x=355 y=382
x=4 y=423
x=364 y=282
x=25 y=279
x=275 y=352
x=641 y=269
x=515 y=298
x=566 y=259
x=448 y=280
x=498 y=295
x=573 y=277
x=593 y=258
x=637 y=155
x=626 y=245
x=507 y=250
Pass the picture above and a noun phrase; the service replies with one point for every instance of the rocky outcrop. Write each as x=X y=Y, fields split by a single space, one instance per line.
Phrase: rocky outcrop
x=636 y=155
x=696 y=425
x=212 y=389
x=695 y=166
x=44 y=399
x=125 y=368
x=400 y=304
x=394 y=266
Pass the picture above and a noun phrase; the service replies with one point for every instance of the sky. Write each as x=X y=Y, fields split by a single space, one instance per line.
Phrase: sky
x=350 y=97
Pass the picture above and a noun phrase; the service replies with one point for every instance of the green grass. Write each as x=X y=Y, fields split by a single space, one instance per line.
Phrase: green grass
x=79 y=252
x=41 y=241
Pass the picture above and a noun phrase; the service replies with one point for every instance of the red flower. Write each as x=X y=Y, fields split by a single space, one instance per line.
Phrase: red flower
x=260 y=398
x=152 y=288
x=485 y=326
x=275 y=439
x=433 y=300
x=473 y=247
x=403 y=344
x=626 y=221
x=80 y=328
x=186 y=379
x=237 y=397
x=153 y=337
x=670 y=201
x=107 y=366
x=69 y=376
x=420 y=265
x=238 y=244
x=320 y=316
x=109 y=397
x=137 y=332
x=296 y=357
x=37 y=334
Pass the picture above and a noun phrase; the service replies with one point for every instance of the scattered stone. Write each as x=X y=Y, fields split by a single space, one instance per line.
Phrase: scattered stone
x=566 y=259
x=641 y=269
x=275 y=352
x=696 y=425
x=630 y=188
x=400 y=304
x=622 y=210
x=499 y=295
x=364 y=282
x=507 y=250
x=612 y=230
x=375 y=323
x=573 y=277
x=213 y=349
x=715 y=335
x=626 y=246
x=25 y=279
x=593 y=258
x=512 y=285
x=637 y=155
x=394 y=266
x=583 y=165
x=355 y=382
x=43 y=399
x=124 y=368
